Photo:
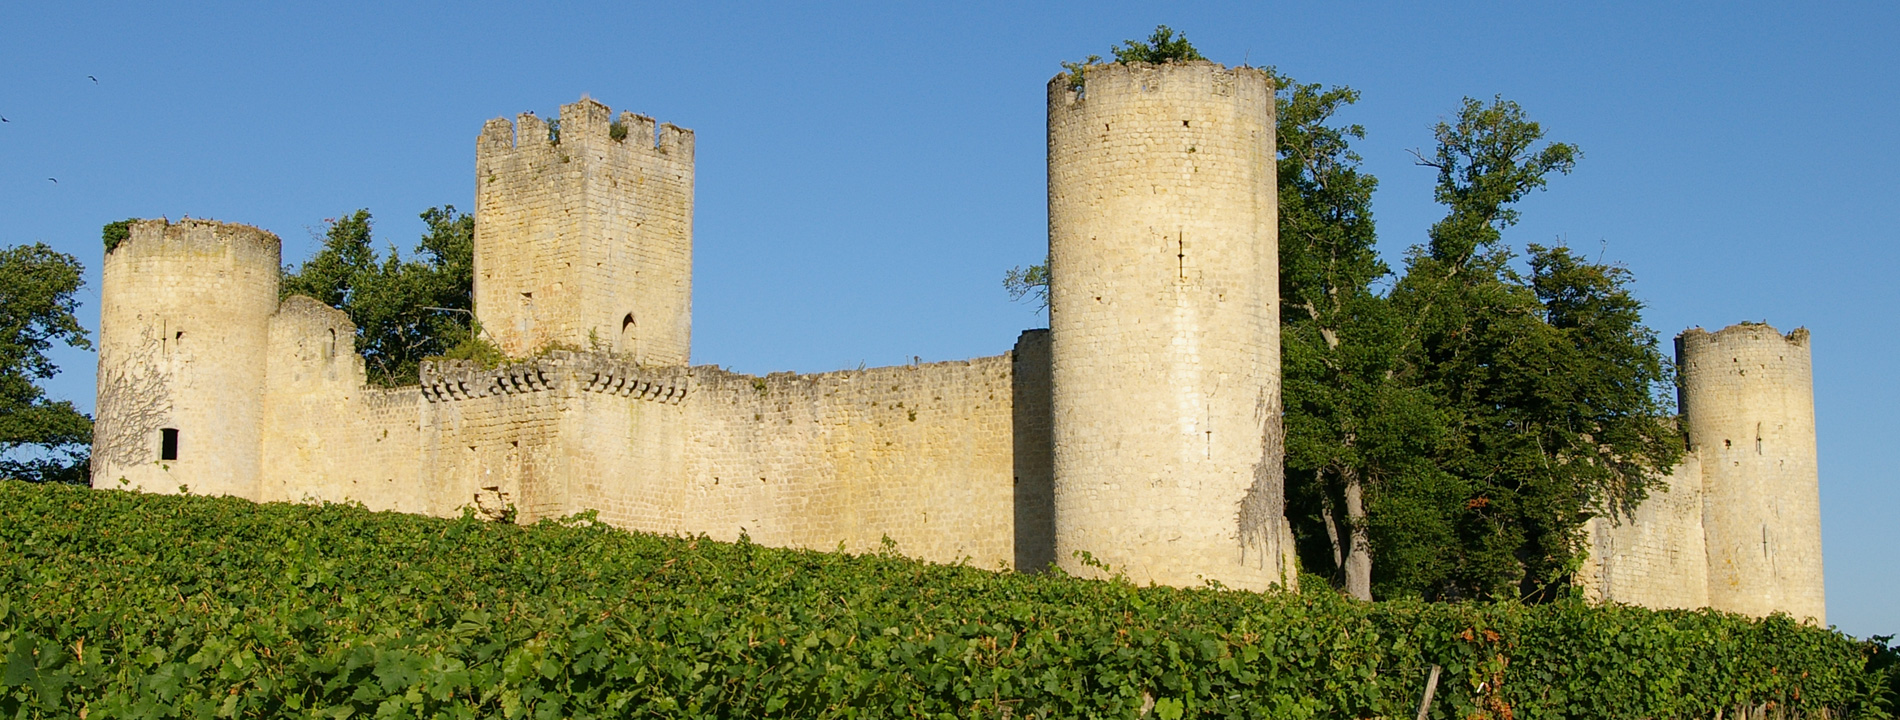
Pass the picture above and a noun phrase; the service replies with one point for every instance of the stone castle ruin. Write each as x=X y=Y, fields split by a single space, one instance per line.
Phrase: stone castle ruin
x=1143 y=427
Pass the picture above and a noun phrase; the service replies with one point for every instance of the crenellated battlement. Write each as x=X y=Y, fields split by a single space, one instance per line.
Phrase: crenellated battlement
x=586 y=125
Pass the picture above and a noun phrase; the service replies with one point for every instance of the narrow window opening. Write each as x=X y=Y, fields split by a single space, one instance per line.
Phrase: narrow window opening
x=329 y=350
x=168 y=444
x=1757 y=438
x=627 y=327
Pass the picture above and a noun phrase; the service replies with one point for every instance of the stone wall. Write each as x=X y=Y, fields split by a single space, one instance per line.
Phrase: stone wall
x=625 y=435
x=327 y=435
x=1654 y=557
x=491 y=439
x=926 y=455
x=1164 y=319
x=183 y=315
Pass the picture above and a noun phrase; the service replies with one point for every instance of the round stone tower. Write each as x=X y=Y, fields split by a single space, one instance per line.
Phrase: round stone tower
x=1747 y=397
x=1164 y=325
x=184 y=317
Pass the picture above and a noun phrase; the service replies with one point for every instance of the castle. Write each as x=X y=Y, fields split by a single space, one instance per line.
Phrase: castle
x=1143 y=427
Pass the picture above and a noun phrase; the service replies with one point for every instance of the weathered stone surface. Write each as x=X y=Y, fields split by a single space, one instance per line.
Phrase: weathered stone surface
x=184 y=314
x=1164 y=323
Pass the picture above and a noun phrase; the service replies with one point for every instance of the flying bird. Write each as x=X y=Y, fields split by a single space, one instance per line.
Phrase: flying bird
x=55 y=180
x=94 y=80
x=4 y=119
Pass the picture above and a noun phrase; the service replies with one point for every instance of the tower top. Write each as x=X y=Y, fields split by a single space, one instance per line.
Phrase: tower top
x=583 y=233
x=146 y=235
x=585 y=123
x=1190 y=76
x=1743 y=332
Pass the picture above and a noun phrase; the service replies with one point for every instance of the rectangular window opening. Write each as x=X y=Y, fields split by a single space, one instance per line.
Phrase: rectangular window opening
x=168 y=444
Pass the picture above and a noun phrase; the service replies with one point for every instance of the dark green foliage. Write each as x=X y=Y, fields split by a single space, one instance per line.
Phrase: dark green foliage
x=1883 y=659
x=1355 y=429
x=40 y=439
x=116 y=232
x=404 y=311
x=1553 y=385
x=1162 y=46
x=117 y=604
x=616 y=131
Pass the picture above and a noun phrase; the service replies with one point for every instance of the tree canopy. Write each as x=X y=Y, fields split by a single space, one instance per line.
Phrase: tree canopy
x=1551 y=382
x=40 y=439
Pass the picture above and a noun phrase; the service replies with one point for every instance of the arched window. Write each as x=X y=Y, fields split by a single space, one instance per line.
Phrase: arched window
x=627 y=342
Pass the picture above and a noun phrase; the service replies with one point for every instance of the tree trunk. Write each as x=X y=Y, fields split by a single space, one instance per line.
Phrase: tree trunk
x=1359 y=554
x=1331 y=523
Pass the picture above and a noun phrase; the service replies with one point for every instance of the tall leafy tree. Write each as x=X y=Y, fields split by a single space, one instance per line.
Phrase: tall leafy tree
x=1353 y=426
x=404 y=310
x=1550 y=379
x=40 y=439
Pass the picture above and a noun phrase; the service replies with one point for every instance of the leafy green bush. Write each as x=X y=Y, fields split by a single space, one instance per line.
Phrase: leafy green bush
x=116 y=232
x=115 y=604
x=1162 y=46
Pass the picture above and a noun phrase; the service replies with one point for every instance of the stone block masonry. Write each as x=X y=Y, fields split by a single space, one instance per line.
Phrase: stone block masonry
x=1748 y=404
x=184 y=320
x=1164 y=320
x=1143 y=428
x=584 y=234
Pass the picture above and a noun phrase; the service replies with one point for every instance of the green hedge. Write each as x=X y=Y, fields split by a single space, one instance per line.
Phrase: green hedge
x=115 y=604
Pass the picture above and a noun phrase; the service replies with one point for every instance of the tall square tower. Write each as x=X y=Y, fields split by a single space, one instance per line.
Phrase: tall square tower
x=584 y=234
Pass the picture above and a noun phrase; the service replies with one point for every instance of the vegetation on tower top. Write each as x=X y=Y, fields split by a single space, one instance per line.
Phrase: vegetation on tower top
x=1164 y=45
x=116 y=232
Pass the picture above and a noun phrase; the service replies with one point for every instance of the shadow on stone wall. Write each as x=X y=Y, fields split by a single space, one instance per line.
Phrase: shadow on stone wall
x=1034 y=453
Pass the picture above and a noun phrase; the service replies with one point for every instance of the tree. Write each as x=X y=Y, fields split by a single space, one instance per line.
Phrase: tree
x=40 y=439
x=1552 y=383
x=1351 y=424
x=404 y=311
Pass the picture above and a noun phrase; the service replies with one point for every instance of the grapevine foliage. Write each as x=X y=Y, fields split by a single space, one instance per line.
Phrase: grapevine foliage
x=117 y=604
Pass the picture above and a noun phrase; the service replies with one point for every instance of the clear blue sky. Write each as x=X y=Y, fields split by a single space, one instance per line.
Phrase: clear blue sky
x=867 y=172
